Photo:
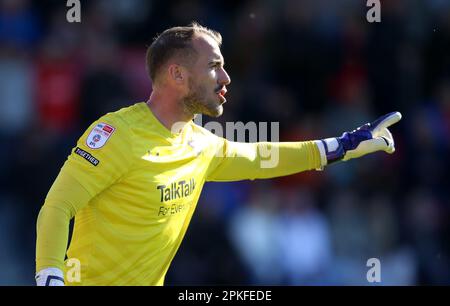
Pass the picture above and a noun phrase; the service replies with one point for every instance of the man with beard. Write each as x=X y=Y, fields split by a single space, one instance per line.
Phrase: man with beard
x=133 y=180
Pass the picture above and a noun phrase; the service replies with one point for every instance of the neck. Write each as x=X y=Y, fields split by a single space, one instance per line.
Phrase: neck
x=169 y=111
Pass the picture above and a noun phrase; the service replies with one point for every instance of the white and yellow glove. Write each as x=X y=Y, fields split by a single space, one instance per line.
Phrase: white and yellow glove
x=369 y=138
x=50 y=277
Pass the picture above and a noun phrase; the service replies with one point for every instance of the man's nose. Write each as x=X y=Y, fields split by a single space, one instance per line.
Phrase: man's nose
x=225 y=78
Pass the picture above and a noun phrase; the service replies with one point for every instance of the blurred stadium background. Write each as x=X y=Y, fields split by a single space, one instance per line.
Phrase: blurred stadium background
x=317 y=67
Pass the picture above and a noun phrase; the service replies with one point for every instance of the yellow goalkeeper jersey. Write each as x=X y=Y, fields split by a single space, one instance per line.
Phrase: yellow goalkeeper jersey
x=132 y=186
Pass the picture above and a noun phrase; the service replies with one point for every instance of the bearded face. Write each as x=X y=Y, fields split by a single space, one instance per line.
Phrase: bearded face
x=203 y=99
x=207 y=79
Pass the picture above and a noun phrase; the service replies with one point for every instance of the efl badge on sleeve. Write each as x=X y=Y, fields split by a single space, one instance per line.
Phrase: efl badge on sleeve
x=99 y=135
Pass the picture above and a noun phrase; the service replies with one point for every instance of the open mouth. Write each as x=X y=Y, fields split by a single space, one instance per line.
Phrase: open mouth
x=221 y=93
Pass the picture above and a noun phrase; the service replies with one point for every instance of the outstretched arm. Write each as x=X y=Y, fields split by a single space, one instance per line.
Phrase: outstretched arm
x=242 y=161
x=261 y=160
x=368 y=138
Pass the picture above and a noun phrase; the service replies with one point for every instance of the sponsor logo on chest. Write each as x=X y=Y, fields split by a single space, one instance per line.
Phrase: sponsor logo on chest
x=176 y=190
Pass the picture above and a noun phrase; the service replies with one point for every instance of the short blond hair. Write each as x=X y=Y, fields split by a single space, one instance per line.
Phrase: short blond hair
x=175 y=41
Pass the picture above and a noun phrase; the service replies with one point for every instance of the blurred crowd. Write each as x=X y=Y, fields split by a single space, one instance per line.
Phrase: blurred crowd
x=317 y=67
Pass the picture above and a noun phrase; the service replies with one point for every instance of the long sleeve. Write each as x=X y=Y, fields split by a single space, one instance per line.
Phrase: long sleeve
x=87 y=172
x=64 y=199
x=235 y=161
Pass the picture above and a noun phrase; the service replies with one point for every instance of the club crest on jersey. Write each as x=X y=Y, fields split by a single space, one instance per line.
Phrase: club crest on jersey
x=99 y=135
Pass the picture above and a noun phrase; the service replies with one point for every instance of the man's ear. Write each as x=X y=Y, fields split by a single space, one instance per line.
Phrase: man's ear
x=177 y=73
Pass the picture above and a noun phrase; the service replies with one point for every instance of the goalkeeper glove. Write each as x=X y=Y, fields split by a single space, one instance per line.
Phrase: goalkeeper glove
x=369 y=138
x=50 y=277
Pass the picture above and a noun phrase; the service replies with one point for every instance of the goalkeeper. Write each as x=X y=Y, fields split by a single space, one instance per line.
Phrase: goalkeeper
x=133 y=180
